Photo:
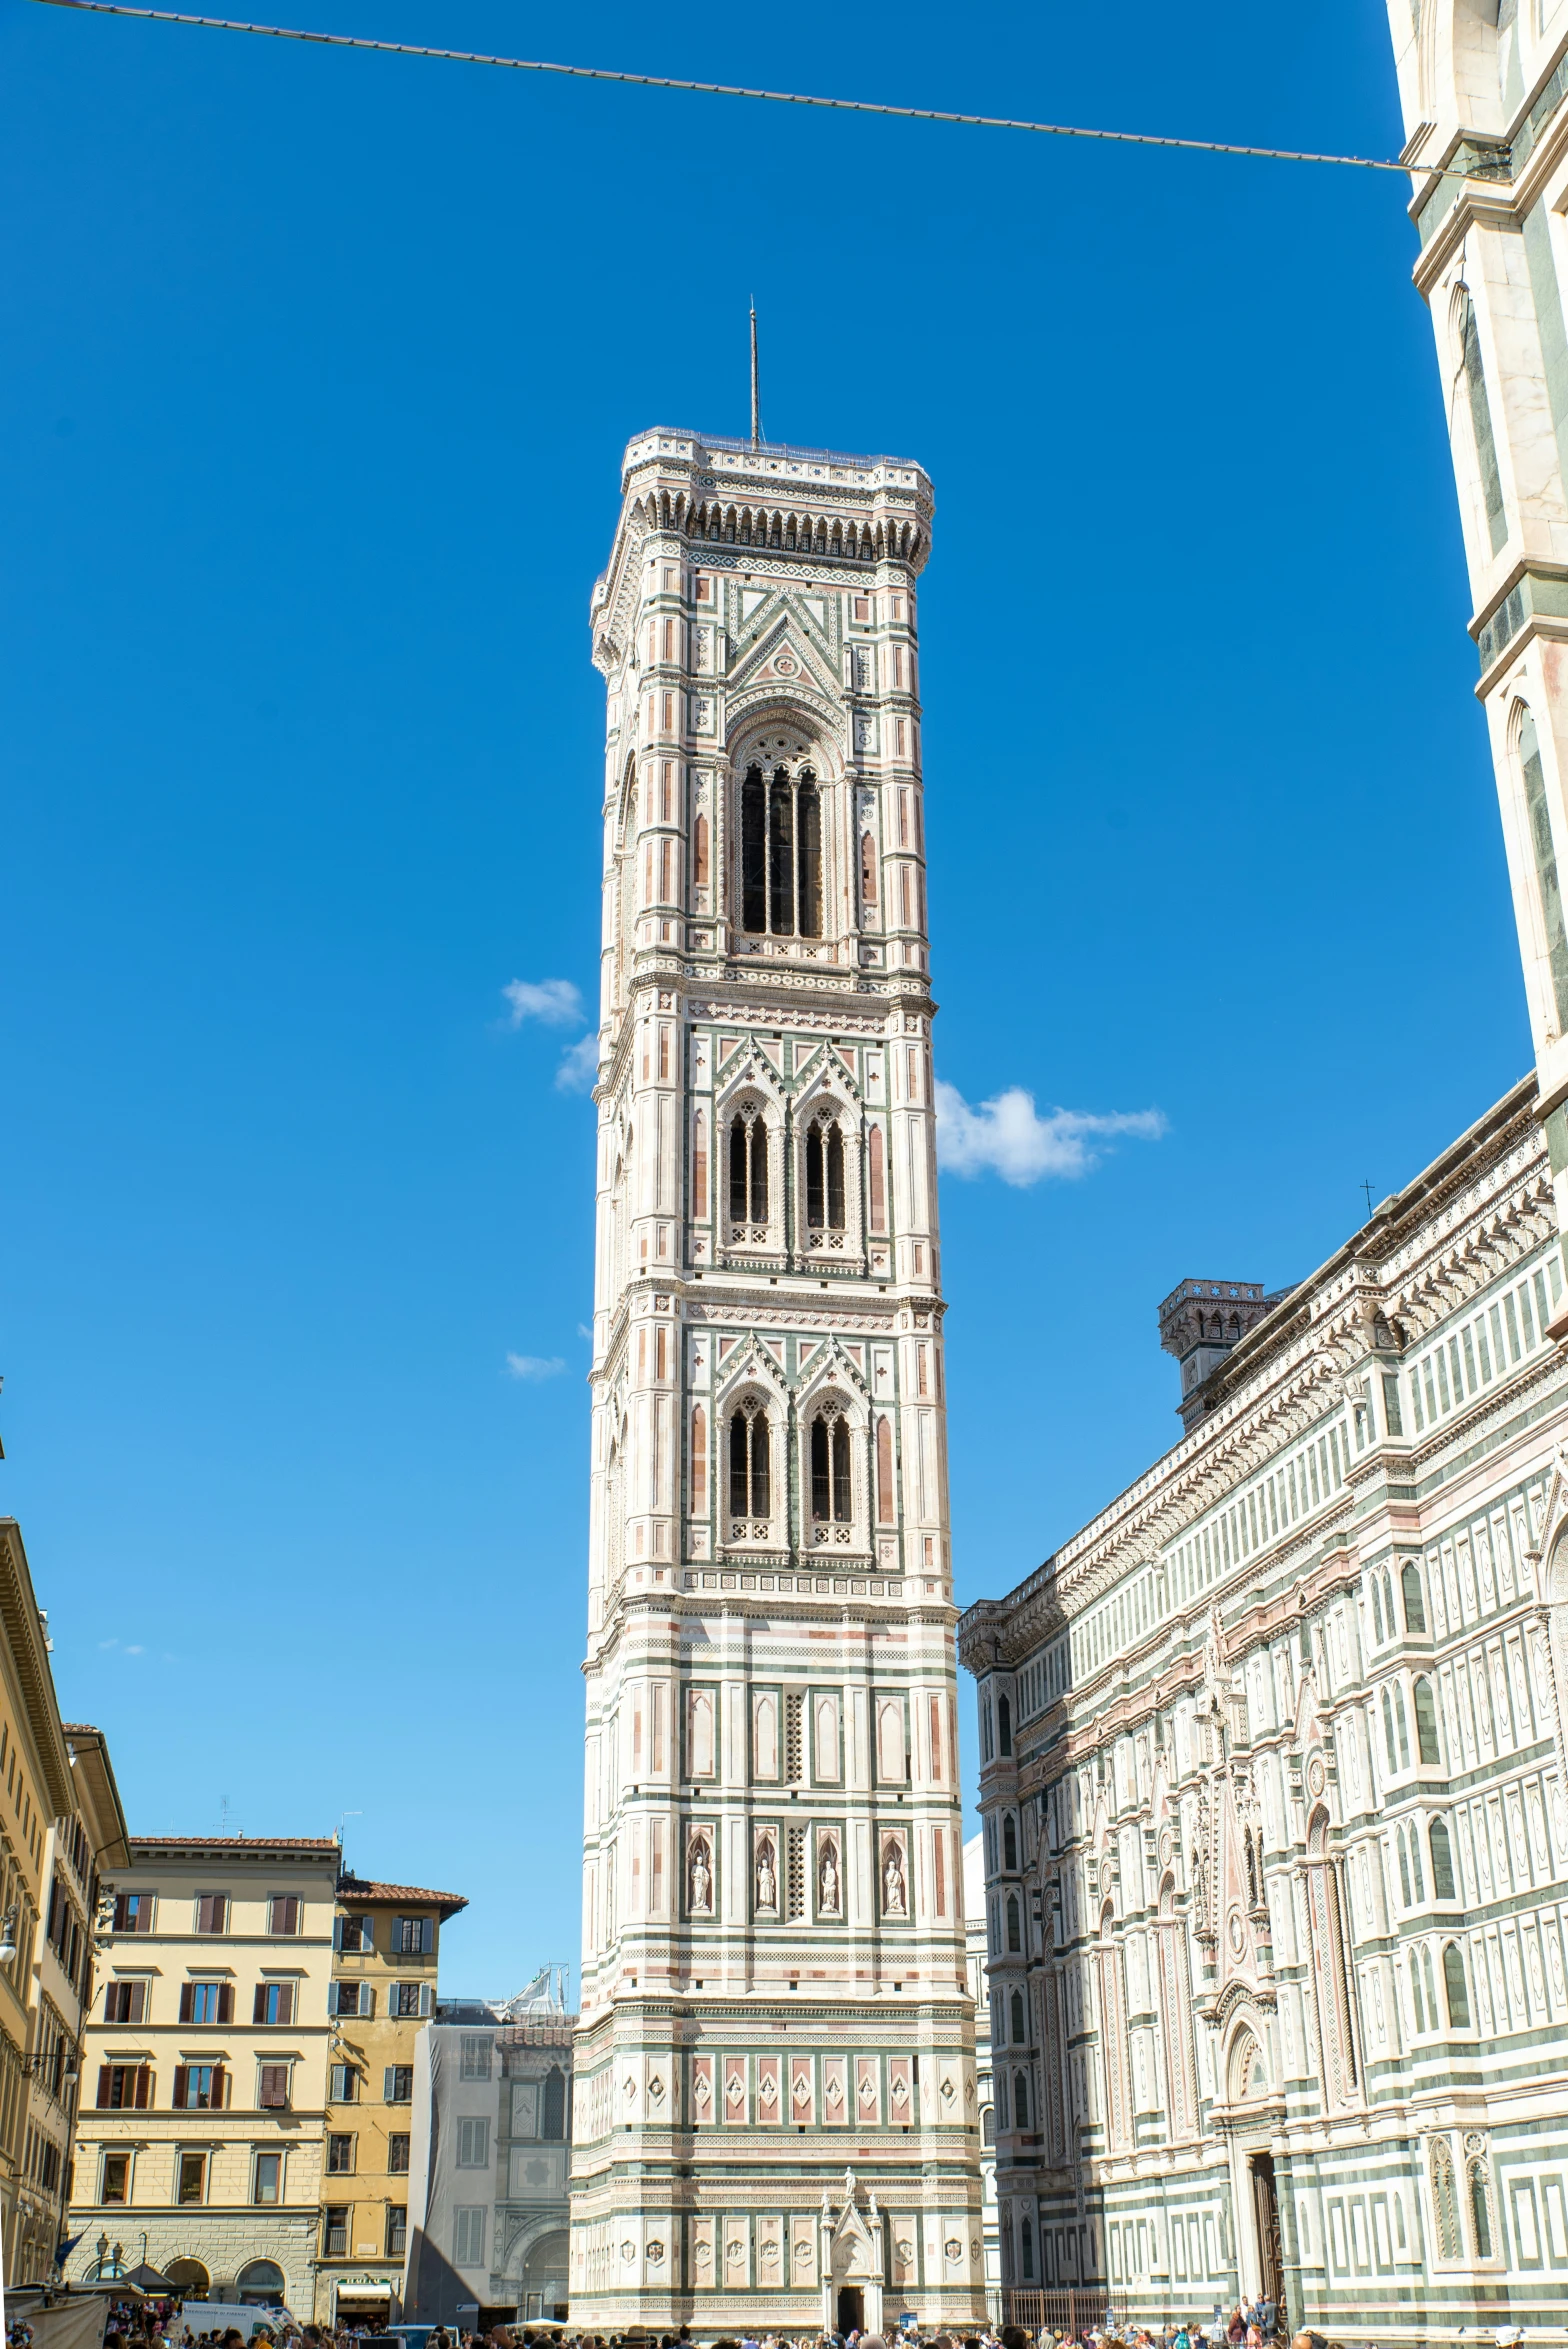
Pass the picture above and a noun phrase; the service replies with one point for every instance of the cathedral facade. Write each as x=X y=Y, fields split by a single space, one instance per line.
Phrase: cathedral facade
x=775 y=2103
x=1273 y=1751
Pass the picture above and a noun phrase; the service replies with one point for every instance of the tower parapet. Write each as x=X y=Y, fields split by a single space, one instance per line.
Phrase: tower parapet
x=1200 y=1321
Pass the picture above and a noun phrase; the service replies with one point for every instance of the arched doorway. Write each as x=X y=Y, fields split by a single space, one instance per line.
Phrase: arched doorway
x=190 y=2275
x=543 y=2289
x=260 y=2285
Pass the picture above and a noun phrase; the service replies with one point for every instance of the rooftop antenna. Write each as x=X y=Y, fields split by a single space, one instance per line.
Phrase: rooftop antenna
x=756 y=397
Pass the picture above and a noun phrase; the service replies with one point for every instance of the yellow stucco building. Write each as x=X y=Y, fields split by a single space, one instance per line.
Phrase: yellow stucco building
x=383 y=1993
x=205 y=2077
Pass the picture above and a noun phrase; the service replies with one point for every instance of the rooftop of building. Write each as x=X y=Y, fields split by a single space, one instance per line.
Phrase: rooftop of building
x=1389 y=1229
x=764 y=456
x=322 y=1845
x=371 y=1892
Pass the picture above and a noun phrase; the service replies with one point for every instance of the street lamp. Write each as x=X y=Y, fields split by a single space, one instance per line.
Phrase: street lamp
x=8 y=1935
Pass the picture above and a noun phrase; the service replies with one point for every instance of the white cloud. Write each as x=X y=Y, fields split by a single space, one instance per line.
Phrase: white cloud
x=533 y=1367
x=579 y=1067
x=555 y=1003
x=1008 y=1135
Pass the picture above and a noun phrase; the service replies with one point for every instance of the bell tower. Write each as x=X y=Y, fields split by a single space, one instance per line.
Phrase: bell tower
x=1483 y=85
x=776 y=2117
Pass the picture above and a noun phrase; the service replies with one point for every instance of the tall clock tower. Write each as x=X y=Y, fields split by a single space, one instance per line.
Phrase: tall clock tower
x=775 y=2111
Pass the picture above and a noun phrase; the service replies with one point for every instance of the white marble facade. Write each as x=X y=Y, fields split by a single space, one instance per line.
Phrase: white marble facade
x=775 y=2114
x=1273 y=1750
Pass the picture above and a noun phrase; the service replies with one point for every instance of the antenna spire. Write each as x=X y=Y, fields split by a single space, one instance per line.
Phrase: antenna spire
x=756 y=394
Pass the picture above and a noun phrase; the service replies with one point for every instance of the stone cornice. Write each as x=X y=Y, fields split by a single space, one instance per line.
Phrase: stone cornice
x=1482 y=1205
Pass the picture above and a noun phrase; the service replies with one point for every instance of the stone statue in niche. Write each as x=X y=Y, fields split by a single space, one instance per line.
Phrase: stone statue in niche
x=767 y=1877
x=895 y=1901
x=827 y=1879
x=700 y=1879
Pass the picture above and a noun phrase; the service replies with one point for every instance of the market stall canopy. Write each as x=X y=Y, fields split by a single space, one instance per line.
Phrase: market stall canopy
x=149 y=2279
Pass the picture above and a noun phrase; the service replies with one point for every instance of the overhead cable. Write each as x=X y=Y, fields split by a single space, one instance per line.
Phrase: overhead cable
x=667 y=81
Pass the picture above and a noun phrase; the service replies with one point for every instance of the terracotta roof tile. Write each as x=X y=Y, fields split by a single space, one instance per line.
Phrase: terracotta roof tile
x=371 y=1891
x=321 y=1843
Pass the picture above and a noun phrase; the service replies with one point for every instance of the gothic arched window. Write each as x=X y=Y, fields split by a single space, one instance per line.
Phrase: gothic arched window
x=1442 y=1861
x=1426 y=1722
x=1009 y=1841
x=1377 y=1611
x=554 y=2100
x=1015 y=1931
x=699 y=1458
x=781 y=853
x=830 y=1484
x=825 y=1175
x=1018 y=2018
x=1481 y=425
x=1404 y=1867
x=1480 y=2186
x=1538 y=815
x=1004 y=1725
x=1445 y=2201
x=1020 y=2104
x=751 y=1487
x=748 y=1168
x=1414 y=1597
x=868 y=870
x=1454 y=1989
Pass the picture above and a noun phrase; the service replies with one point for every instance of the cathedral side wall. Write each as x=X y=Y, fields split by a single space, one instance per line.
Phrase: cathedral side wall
x=1276 y=1833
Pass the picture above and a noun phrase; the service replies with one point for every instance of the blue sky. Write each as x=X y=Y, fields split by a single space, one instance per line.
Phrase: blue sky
x=318 y=369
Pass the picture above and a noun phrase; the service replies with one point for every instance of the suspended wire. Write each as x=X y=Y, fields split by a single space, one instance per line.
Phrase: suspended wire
x=665 y=81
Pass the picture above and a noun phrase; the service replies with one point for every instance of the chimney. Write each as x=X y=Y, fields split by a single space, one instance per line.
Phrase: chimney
x=1200 y=1321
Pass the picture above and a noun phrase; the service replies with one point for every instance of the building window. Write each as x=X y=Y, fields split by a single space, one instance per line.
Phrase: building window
x=1413 y=1596
x=198 y=2088
x=334 y=2231
x=830 y=1481
x=206 y=2002
x=1442 y=1861
x=751 y=1489
x=1454 y=1989
x=284 y=1913
x=413 y=1935
x=1481 y=426
x=133 y=1912
x=123 y=2087
x=272 y=2090
x=410 y=1998
x=748 y=1168
x=473 y=2144
x=356 y=1936
x=1004 y=1726
x=781 y=853
x=269 y=2178
x=340 y=2156
x=352 y=1998
x=554 y=2122
x=114 y=2183
x=1015 y=1938
x=468 y=2236
x=193 y=2177
x=825 y=1176
x=212 y=1912
x=397 y=2085
x=397 y=2230
x=342 y=2084
x=474 y=2061
x=1426 y=1722
x=125 y=2002
x=397 y=2153
x=1009 y=1841
x=274 y=2002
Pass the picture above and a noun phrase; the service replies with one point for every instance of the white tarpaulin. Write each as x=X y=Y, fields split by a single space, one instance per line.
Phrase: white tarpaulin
x=76 y=2323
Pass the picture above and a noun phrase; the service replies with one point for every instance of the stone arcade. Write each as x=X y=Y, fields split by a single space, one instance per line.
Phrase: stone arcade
x=775 y=2112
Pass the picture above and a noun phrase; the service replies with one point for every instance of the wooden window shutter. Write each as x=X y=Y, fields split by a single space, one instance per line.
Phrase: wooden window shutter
x=259 y=2011
x=143 y=2087
x=285 y=2002
x=226 y=2002
x=187 y=1993
x=179 y=2087
x=103 y=2087
x=219 y=2088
